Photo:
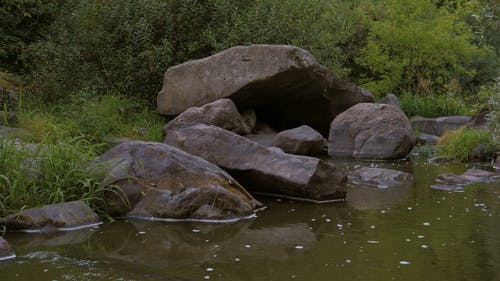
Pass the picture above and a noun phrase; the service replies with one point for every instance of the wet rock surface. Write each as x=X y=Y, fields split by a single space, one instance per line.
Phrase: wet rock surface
x=471 y=176
x=221 y=113
x=6 y=251
x=437 y=126
x=380 y=177
x=62 y=216
x=163 y=182
x=303 y=140
x=261 y=169
x=371 y=131
x=284 y=84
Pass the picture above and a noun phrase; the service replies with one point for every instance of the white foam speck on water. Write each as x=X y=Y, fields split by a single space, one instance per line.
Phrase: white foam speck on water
x=372 y=227
x=410 y=208
x=248 y=246
x=328 y=220
x=348 y=261
x=236 y=259
x=206 y=277
x=373 y=242
x=142 y=232
x=404 y=262
x=407 y=239
x=313 y=219
x=420 y=236
x=209 y=269
x=252 y=216
x=424 y=246
x=196 y=230
x=426 y=223
x=299 y=247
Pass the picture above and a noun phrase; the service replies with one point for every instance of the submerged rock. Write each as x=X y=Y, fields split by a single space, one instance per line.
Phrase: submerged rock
x=162 y=182
x=427 y=139
x=371 y=131
x=284 y=84
x=379 y=177
x=62 y=216
x=221 y=113
x=259 y=168
x=6 y=251
x=437 y=126
x=471 y=176
x=303 y=140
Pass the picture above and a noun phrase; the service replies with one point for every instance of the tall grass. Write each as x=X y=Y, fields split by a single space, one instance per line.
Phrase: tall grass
x=460 y=144
x=33 y=175
x=432 y=106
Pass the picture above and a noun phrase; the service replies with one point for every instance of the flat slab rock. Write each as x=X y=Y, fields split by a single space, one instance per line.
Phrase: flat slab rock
x=379 y=177
x=285 y=85
x=452 y=181
x=261 y=169
x=162 y=182
x=371 y=131
x=303 y=140
x=6 y=251
x=438 y=126
x=63 y=216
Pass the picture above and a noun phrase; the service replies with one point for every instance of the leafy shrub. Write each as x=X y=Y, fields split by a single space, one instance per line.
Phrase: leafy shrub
x=460 y=144
x=432 y=106
x=417 y=46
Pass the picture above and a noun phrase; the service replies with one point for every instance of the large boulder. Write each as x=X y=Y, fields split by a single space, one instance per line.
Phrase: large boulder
x=261 y=169
x=285 y=85
x=303 y=140
x=6 y=251
x=452 y=181
x=162 y=182
x=371 y=131
x=221 y=113
x=437 y=126
x=63 y=216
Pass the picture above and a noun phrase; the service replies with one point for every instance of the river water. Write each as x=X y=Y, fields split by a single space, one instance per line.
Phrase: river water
x=408 y=233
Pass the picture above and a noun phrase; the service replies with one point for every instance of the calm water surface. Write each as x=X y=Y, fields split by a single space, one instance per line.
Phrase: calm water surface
x=408 y=233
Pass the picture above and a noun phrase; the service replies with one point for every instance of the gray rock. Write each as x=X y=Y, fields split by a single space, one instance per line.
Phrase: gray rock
x=427 y=139
x=303 y=140
x=379 y=177
x=262 y=139
x=8 y=118
x=261 y=169
x=221 y=113
x=250 y=118
x=439 y=160
x=162 y=182
x=438 y=126
x=6 y=251
x=10 y=132
x=62 y=216
x=471 y=176
x=390 y=99
x=371 y=131
x=284 y=84
x=8 y=97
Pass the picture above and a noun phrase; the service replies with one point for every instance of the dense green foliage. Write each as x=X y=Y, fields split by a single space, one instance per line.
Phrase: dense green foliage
x=125 y=46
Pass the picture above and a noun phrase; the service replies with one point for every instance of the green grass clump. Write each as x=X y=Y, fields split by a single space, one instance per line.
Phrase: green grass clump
x=34 y=175
x=92 y=118
x=432 y=106
x=460 y=144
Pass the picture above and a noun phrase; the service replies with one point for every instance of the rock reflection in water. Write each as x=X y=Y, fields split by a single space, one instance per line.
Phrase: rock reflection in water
x=176 y=244
x=364 y=198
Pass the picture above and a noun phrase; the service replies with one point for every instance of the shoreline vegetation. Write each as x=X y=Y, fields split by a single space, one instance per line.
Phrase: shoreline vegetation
x=90 y=71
